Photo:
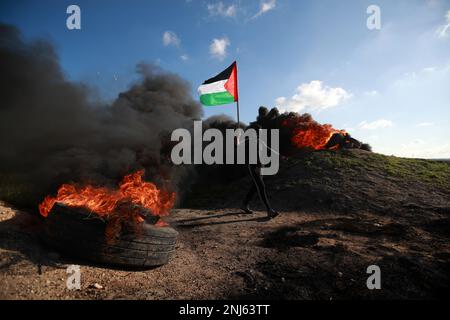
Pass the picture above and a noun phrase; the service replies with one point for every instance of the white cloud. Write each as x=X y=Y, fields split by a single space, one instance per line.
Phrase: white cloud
x=371 y=93
x=265 y=7
x=377 y=124
x=422 y=149
x=425 y=124
x=218 y=48
x=429 y=69
x=432 y=3
x=443 y=31
x=184 y=57
x=219 y=9
x=433 y=74
x=170 y=38
x=314 y=96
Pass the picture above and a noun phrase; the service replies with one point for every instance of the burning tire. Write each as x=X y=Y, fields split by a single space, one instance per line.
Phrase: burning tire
x=79 y=233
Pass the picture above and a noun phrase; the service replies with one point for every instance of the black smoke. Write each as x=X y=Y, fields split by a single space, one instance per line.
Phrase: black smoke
x=53 y=131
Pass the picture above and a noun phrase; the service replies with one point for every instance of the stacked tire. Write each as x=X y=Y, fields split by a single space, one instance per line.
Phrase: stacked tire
x=79 y=233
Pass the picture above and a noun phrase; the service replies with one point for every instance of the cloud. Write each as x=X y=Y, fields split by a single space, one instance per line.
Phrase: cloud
x=219 y=9
x=378 y=124
x=432 y=75
x=443 y=31
x=429 y=69
x=184 y=57
x=424 y=149
x=314 y=96
x=432 y=3
x=371 y=93
x=170 y=39
x=265 y=7
x=425 y=124
x=413 y=143
x=218 y=48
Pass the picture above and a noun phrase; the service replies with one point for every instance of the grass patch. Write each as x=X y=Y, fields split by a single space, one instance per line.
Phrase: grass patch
x=428 y=171
x=433 y=172
x=17 y=193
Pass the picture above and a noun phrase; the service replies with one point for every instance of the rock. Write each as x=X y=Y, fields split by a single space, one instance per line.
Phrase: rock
x=96 y=286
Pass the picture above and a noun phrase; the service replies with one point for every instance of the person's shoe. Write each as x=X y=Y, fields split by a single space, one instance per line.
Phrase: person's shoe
x=246 y=210
x=272 y=214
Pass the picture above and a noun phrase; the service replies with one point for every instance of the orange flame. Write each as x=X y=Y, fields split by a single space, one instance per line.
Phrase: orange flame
x=103 y=201
x=309 y=134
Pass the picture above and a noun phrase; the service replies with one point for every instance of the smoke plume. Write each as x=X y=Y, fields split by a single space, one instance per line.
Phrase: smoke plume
x=52 y=131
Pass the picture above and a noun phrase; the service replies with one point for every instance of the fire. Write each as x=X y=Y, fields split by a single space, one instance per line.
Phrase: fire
x=309 y=134
x=104 y=201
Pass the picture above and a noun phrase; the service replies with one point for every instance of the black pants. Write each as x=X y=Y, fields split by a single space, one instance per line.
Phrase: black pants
x=257 y=186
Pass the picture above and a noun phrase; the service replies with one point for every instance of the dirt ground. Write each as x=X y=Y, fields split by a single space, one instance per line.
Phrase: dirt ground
x=341 y=213
x=225 y=254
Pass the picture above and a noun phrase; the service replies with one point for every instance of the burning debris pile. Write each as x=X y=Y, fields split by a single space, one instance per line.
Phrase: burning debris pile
x=302 y=132
x=134 y=202
x=102 y=201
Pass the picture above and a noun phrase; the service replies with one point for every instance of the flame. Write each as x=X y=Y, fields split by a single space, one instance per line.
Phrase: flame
x=104 y=201
x=309 y=134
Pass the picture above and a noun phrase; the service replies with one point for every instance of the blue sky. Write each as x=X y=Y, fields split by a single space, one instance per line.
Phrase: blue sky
x=389 y=87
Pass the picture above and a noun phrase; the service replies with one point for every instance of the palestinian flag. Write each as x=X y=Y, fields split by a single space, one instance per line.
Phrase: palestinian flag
x=222 y=89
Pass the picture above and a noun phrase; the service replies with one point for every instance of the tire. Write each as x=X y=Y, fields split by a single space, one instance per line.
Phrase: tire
x=78 y=233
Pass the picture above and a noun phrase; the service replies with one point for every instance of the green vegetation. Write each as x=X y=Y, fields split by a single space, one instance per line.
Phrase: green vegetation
x=16 y=192
x=427 y=171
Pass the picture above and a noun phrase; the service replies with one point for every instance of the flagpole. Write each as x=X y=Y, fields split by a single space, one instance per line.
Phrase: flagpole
x=237 y=100
x=237 y=104
x=237 y=109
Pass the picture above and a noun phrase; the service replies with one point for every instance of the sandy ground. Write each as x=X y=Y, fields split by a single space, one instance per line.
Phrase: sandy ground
x=225 y=254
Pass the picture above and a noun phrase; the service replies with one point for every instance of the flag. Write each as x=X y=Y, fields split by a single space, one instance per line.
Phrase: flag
x=221 y=89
